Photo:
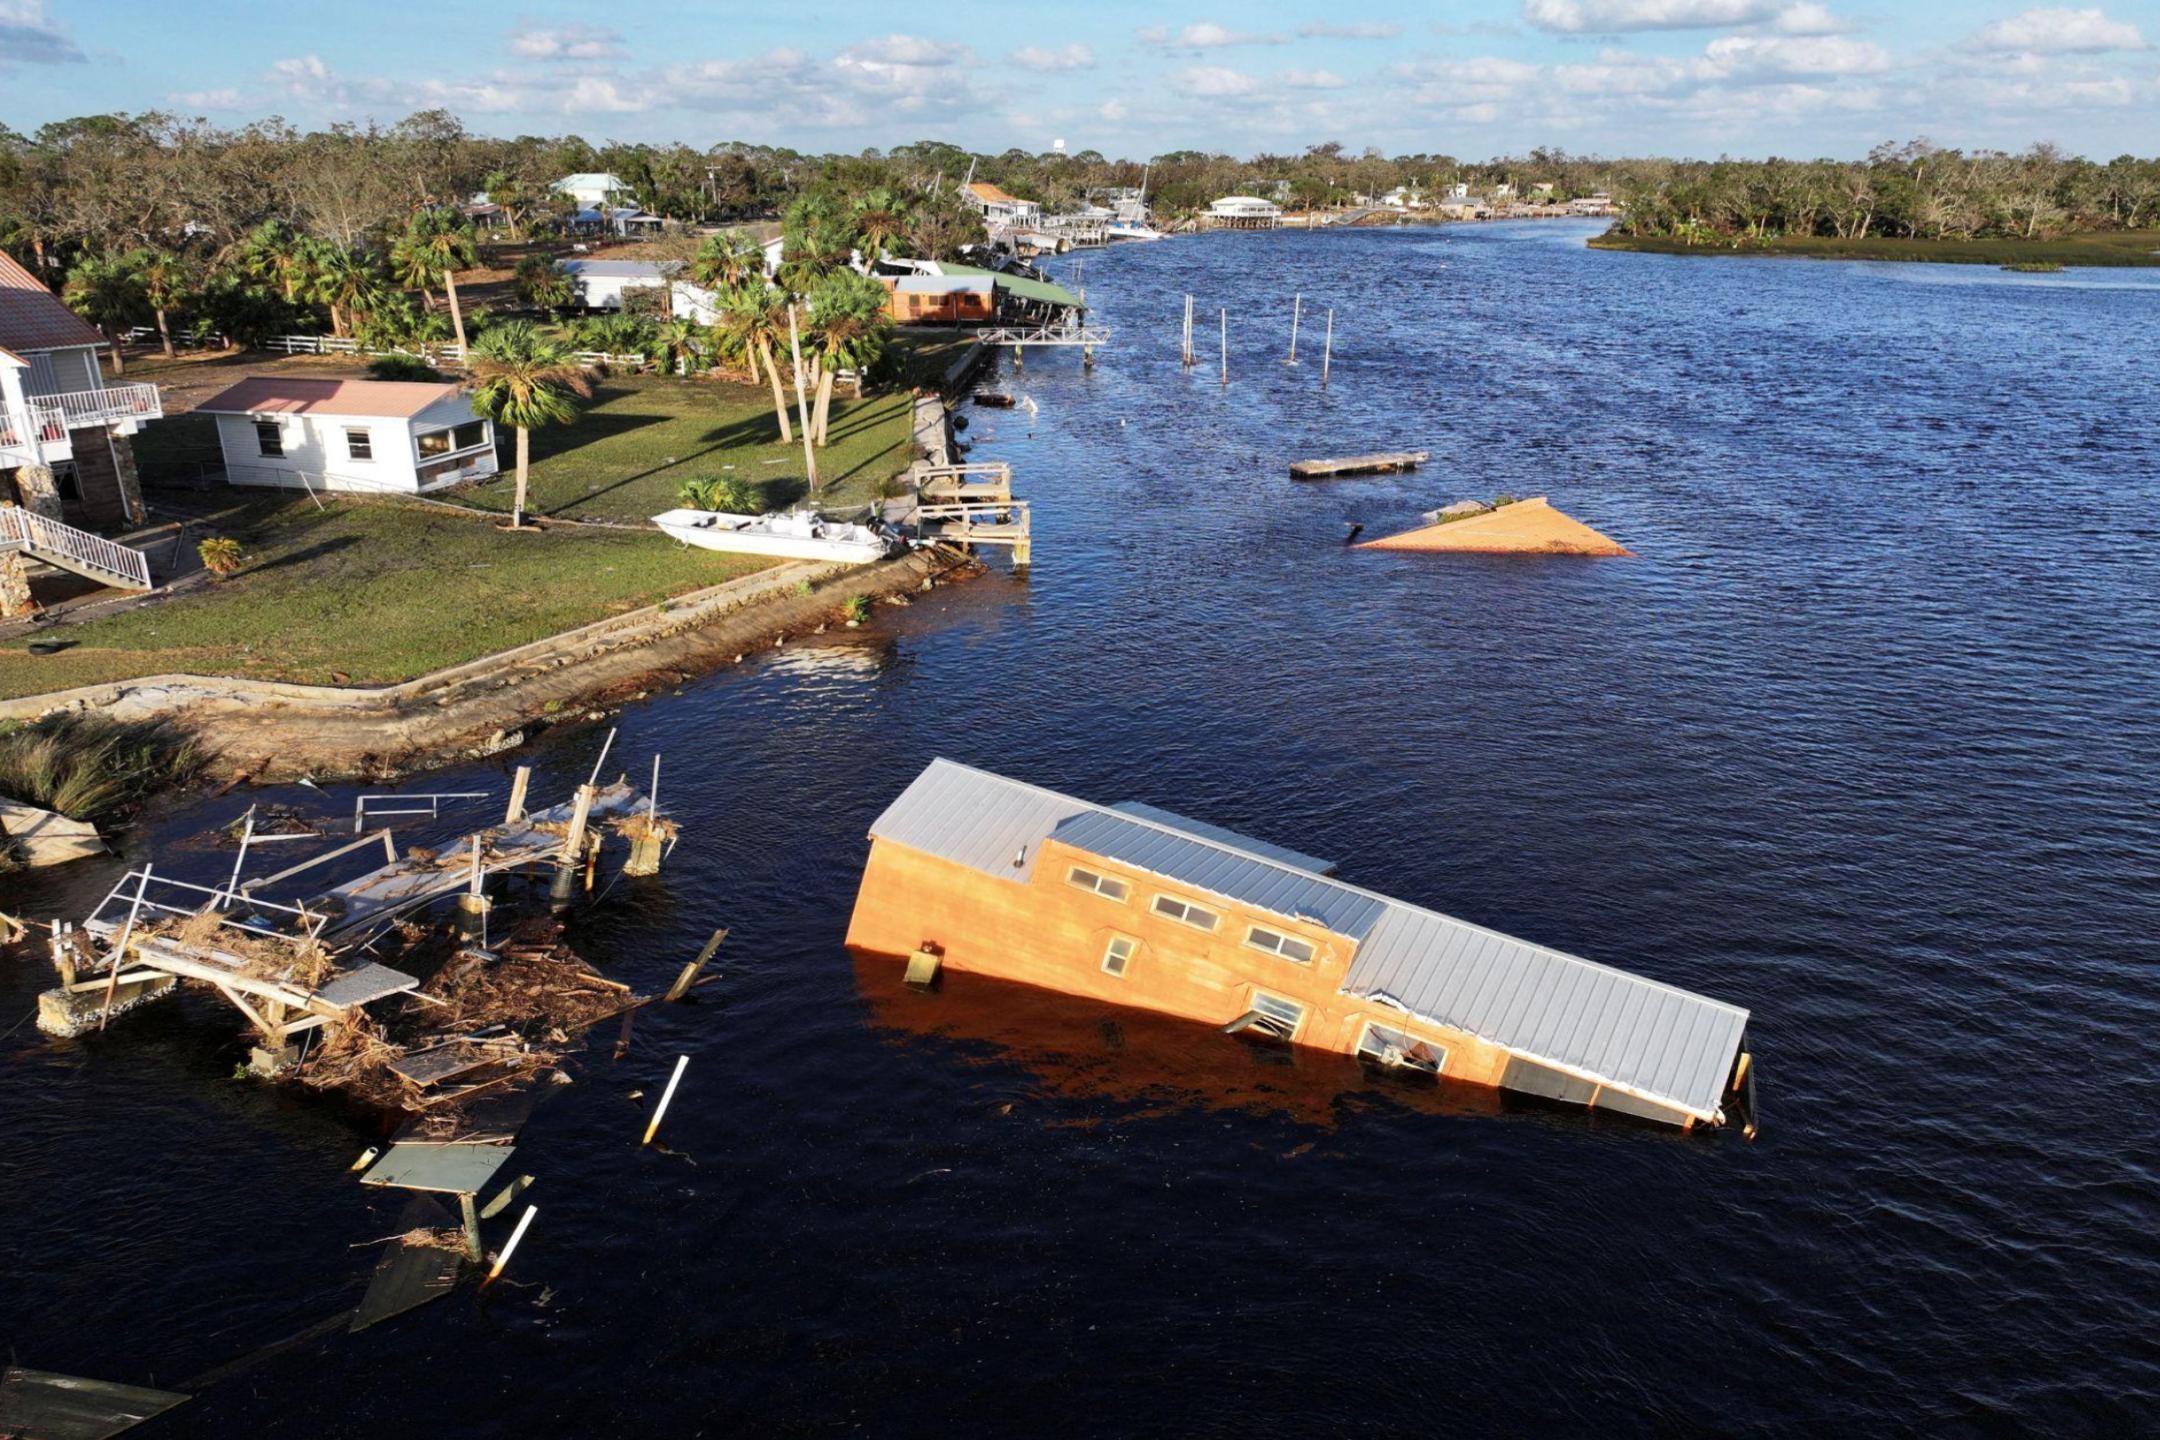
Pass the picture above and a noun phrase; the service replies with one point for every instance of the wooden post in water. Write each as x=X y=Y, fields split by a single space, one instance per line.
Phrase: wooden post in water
x=1226 y=346
x=1188 y=350
x=1297 y=304
x=1327 y=352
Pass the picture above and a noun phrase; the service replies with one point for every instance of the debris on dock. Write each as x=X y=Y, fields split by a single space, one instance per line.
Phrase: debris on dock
x=1384 y=462
x=1520 y=527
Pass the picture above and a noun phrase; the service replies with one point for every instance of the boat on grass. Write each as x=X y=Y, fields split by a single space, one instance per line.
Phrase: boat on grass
x=796 y=535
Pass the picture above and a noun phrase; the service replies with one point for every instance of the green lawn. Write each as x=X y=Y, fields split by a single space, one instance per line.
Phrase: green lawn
x=641 y=436
x=2110 y=248
x=375 y=593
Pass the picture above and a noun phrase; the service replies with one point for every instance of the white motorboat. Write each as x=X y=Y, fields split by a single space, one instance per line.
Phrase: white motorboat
x=1126 y=230
x=797 y=535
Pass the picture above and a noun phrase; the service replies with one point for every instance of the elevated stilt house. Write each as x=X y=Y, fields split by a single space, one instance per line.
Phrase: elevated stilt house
x=1134 y=905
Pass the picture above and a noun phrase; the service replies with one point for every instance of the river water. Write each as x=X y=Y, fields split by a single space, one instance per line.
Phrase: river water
x=1861 y=738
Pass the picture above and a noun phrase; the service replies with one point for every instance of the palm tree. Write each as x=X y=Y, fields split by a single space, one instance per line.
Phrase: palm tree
x=758 y=314
x=540 y=283
x=108 y=292
x=849 y=324
x=726 y=260
x=167 y=279
x=345 y=280
x=272 y=252
x=523 y=379
x=882 y=219
x=435 y=247
x=682 y=343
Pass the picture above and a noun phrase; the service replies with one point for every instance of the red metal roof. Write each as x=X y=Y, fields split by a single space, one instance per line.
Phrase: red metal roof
x=32 y=317
x=298 y=395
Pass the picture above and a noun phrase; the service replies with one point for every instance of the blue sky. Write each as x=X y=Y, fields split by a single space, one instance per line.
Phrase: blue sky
x=1684 y=77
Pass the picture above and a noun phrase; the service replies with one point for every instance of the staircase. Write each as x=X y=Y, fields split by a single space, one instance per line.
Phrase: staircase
x=91 y=556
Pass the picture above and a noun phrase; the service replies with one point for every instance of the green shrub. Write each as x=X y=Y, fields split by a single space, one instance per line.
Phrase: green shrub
x=856 y=610
x=724 y=493
x=221 y=556
x=401 y=367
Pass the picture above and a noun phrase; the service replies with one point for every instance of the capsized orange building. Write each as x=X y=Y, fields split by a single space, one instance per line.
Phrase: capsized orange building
x=1139 y=906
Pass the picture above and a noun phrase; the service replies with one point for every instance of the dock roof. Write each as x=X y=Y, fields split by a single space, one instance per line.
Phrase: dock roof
x=1644 y=1037
x=1019 y=285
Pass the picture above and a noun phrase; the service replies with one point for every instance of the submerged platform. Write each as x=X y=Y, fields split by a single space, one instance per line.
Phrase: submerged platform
x=1523 y=527
x=1382 y=462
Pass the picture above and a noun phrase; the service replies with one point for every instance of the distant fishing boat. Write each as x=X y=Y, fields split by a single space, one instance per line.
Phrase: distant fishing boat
x=797 y=535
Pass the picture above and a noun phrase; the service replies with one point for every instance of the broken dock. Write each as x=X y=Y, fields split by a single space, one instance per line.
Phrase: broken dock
x=1382 y=462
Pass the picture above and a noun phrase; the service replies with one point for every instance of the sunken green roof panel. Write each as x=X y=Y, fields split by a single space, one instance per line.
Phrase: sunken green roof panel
x=1026 y=289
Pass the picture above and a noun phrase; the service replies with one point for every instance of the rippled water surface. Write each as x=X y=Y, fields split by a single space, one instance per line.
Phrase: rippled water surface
x=1862 y=738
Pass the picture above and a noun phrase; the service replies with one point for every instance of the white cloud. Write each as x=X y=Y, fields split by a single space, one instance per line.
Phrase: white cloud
x=224 y=98
x=1610 y=17
x=1777 y=55
x=1808 y=18
x=1046 y=59
x=565 y=42
x=1356 y=30
x=2058 y=31
x=1310 y=80
x=1204 y=36
x=1112 y=111
x=860 y=89
x=596 y=94
x=1216 y=82
x=30 y=36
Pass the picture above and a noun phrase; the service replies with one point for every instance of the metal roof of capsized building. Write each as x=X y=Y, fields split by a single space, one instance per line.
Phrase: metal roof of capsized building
x=1234 y=874
x=1265 y=849
x=1606 y=1025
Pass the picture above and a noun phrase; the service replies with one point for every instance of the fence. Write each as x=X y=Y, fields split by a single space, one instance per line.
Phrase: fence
x=433 y=352
x=143 y=334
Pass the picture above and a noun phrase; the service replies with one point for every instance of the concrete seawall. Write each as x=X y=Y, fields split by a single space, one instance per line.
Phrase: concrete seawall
x=271 y=729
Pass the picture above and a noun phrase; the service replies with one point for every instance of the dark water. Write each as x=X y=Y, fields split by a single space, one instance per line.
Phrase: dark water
x=1862 y=739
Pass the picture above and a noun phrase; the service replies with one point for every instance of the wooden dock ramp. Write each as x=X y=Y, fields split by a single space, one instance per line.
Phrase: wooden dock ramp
x=1381 y=462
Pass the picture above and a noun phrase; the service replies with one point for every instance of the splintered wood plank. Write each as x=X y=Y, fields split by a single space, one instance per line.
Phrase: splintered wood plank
x=40 y=1405
x=432 y=1067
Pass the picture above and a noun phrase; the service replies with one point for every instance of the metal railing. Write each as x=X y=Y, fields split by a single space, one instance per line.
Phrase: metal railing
x=101 y=407
x=29 y=429
x=62 y=544
x=376 y=804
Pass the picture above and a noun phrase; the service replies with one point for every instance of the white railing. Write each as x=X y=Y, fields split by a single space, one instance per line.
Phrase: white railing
x=102 y=407
x=1089 y=335
x=62 y=544
x=431 y=351
x=28 y=430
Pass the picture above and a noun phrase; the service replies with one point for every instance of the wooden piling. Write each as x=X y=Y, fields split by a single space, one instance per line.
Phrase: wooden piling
x=1297 y=306
x=1327 y=352
x=1226 y=347
x=518 y=785
x=1189 y=358
x=694 y=968
x=681 y=1062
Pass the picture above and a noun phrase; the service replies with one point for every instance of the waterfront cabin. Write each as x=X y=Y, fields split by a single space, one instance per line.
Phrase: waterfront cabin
x=941 y=299
x=380 y=436
x=1242 y=212
x=1133 y=905
x=1001 y=211
x=601 y=284
x=66 y=450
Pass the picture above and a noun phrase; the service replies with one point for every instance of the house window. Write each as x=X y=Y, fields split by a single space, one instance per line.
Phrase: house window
x=1185 y=911
x=1118 y=954
x=463 y=437
x=1399 y=1051
x=1287 y=946
x=358 y=444
x=268 y=440
x=1277 y=1014
x=1102 y=885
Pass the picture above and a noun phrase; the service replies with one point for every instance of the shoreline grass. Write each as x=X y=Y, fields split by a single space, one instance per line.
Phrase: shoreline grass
x=2113 y=249
x=372 y=593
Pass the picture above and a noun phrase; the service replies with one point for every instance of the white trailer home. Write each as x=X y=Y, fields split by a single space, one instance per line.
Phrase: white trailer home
x=389 y=437
x=600 y=285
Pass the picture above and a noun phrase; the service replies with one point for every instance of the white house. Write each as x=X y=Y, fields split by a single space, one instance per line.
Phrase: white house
x=999 y=209
x=597 y=190
x=396 y=437
x=600 y=285
x=64 y=446
x=1244 y=212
